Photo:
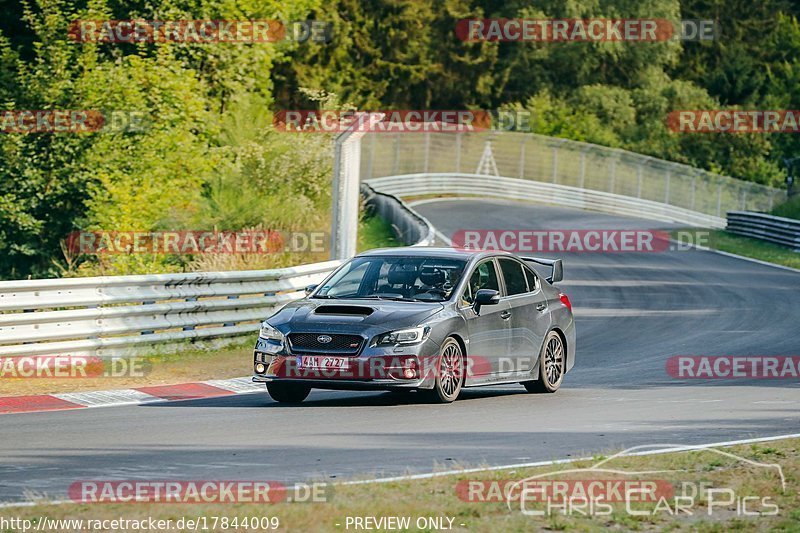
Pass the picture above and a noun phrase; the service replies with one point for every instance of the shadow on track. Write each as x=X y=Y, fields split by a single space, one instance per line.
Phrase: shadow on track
x=324 y=398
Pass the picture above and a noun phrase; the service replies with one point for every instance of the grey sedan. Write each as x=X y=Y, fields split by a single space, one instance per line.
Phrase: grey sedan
x=432 y=320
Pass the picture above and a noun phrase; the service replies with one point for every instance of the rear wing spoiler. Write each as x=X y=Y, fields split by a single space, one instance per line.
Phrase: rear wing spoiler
x=556 y=265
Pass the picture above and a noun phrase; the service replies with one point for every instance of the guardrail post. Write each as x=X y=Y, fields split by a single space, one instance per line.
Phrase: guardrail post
x=190 y=299
x=231 y=324
x=149 y=331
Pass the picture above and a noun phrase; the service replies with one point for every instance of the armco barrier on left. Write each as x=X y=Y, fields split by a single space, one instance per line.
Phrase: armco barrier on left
x=126 y=315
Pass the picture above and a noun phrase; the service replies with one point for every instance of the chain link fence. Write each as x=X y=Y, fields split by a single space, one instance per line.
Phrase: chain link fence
x=562 y=162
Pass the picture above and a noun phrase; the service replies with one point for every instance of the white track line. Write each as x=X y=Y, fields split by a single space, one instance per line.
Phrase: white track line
x=430 y=475
x=659 y=451
x=693 y=246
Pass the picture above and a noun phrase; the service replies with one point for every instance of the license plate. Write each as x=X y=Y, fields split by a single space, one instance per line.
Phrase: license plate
x=314 y=361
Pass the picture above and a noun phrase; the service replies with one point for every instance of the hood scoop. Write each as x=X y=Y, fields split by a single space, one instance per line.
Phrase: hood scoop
x=346 y=310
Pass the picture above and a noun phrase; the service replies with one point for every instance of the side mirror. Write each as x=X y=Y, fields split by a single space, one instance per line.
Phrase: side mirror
x=485 y=297
x=310 y=289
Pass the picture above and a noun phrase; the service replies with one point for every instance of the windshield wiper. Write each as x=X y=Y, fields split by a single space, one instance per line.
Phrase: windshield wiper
x=391 y=298
x=325 y=297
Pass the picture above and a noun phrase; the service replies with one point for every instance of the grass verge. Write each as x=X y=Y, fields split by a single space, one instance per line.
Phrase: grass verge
x=726 y=241
x=375 y=232
x=729 y=486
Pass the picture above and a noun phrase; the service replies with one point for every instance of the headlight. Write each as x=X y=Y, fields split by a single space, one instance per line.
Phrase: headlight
x=403 y=336
x=270 y=333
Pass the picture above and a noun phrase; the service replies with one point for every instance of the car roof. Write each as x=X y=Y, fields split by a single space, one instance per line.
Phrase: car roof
x=432 y=251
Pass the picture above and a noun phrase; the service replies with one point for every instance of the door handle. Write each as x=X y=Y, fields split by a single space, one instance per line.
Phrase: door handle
x=505 y=315
x=541 y=306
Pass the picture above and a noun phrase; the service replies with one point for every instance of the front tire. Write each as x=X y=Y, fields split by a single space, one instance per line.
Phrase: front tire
x=450 y=373
x=288 y=392
x=551 y=366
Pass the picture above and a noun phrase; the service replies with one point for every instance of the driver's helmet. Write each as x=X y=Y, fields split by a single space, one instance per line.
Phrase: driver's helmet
x=432 y=276
x=402 y=274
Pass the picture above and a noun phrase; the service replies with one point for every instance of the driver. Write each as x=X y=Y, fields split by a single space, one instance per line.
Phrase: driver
x=434 y=280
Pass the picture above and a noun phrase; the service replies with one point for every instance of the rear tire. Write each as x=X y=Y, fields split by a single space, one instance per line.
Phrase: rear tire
x=450 y=373
x=551 y=366
x=288 y=392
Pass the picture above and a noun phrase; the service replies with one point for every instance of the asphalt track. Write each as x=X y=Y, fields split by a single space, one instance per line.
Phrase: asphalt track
x=633 y=311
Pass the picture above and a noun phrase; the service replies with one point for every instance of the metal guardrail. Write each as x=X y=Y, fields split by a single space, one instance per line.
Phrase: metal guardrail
x=777 y=230
x=409 y=227
x=125 y=315
x=517 y=189
x=119 y=315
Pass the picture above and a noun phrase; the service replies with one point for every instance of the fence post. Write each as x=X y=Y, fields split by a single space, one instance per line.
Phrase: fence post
x=346 y=185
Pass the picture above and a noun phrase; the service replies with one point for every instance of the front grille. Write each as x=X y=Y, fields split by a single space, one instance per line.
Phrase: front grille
x=339 y=344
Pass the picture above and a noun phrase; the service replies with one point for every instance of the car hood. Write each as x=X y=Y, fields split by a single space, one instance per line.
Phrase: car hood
x=351 y=316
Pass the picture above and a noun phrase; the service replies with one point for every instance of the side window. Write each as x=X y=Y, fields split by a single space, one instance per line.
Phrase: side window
x=483 y=277
x=513 y=276
x=533 y=280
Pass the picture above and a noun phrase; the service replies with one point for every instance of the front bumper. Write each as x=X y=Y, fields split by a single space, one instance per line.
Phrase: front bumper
x=373 y=369
x=343 y=384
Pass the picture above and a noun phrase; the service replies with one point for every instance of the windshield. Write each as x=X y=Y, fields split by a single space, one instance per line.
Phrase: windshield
x=429 y=279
